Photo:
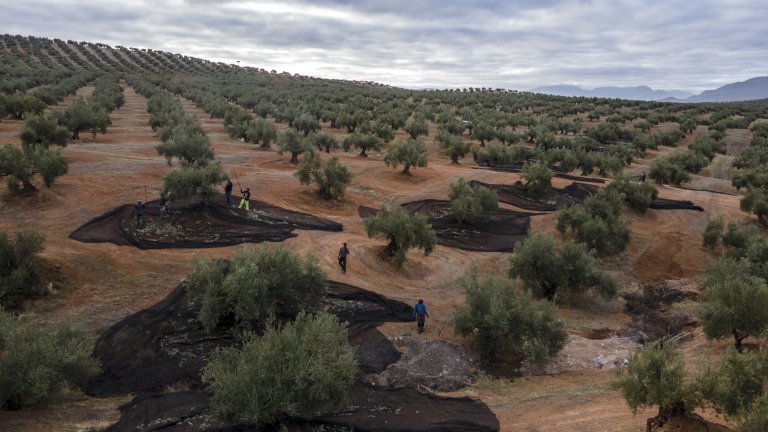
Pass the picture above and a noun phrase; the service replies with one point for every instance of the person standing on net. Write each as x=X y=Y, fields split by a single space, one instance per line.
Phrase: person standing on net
x=420 y=312
x=343 y=252
x=138 y=210
x=228 y=191
x=246 y=199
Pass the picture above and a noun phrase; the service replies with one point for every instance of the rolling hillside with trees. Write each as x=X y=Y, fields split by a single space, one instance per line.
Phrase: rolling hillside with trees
x=588 y=263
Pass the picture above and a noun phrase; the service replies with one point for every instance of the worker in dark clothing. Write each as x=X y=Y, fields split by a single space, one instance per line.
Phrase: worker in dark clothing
x=138 y=209
x=228 y=191
x=246 y=199
x=343 y=252
x=642 y=177
x=163 y=201
x=420 y=312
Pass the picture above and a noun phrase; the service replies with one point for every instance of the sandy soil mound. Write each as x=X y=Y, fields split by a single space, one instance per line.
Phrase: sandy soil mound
x=210 y=225
x=582 y=353
x=433 y=364
x=500 y=233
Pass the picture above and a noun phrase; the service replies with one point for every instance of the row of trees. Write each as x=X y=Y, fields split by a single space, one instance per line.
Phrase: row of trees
x=42 y=137
x=183 y=140
x=753 y=174
x=674 y=169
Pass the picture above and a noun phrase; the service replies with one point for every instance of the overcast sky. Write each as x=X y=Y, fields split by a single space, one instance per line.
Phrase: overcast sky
x=518 y=44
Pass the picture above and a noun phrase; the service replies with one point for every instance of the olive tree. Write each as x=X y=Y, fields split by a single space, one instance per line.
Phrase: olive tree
x=82 y=115
x=323 y=141
x=734 y=303
x=403 y=231
x=37 y=362
x=331 y=177
x=303 y=367
x=258 y=284
x=503 y=320
x=291 y=142
x=655 y=376
x=455 y=147
x=756 y=202
x=188 y=182
x=483 y=132
x=550 y=271
x=409 y=153
x=639 y=195
x=756 y=419
x=306 y=123
x=468 y=202
x=735 y=383
x=538 y=177
x=362 y=141
x=664 y=170
x=260 y=130
x=20 y=165
x=713 y=232
x=596 y=223
x=43 y=131
x=21 y=275
x=417 y=126
x=19 y=104
x=188 y=143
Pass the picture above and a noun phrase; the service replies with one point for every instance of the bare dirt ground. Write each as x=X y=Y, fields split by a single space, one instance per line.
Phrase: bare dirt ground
x=103 y=282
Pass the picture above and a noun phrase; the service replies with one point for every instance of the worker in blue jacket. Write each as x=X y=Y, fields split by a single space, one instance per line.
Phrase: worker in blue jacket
x=420 y=312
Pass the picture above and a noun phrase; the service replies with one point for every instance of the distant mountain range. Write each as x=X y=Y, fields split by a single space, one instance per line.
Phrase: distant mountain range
x=751 y=89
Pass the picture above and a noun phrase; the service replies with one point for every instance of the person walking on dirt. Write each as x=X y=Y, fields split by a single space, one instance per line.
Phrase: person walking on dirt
x=246 y=199
x=420 y=312
x=343 y=252
x=138 y=209
x=228 y=191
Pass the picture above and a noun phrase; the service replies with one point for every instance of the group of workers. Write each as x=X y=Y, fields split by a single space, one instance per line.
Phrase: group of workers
x=419 y=310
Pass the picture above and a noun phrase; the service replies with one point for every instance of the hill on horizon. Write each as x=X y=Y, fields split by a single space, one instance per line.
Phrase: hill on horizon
x=633 y=93
x=751 y=89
